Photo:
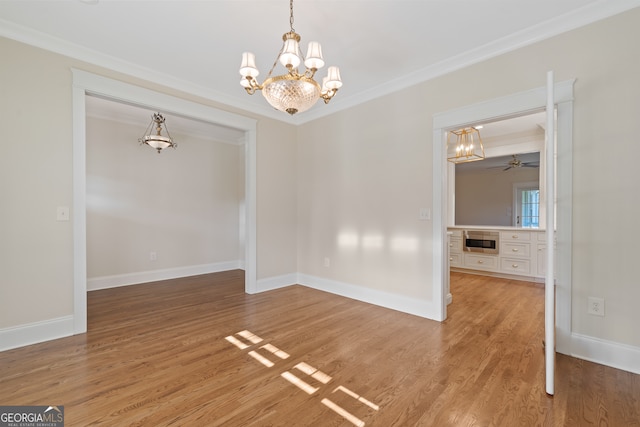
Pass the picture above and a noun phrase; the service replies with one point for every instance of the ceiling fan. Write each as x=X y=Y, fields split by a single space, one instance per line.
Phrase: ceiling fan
x=515 y=162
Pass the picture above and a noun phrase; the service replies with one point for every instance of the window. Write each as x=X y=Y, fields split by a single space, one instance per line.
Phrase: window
x=530 y=208
x=527 y=205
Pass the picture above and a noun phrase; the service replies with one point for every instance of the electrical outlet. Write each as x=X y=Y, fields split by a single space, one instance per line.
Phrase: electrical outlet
x=153 y=256
x=595 y=306
x=62 y=213
x=327 y=262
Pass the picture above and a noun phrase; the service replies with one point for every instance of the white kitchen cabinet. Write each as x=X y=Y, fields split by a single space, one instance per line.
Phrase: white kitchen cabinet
x=541 y=248
x=521 y=254
x=515 y=266
x=476 y=261
x=455 y=248
x=515 y=252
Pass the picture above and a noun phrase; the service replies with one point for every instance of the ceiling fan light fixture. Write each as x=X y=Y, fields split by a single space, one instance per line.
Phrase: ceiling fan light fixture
x=464 y=145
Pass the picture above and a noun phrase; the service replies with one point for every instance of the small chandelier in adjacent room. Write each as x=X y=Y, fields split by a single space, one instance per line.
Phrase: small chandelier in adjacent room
x=465 y=147
x=156 y=140
x=292 y=92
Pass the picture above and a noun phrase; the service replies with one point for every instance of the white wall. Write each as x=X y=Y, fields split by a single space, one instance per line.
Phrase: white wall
x=182 y=204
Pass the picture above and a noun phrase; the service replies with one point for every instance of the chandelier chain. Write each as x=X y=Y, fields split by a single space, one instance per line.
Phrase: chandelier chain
x=291 y=16
x=275 y=62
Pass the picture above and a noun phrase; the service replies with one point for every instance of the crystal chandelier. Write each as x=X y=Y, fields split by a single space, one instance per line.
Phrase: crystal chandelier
x=293 y=92
x=467 y=146
x=156 y=140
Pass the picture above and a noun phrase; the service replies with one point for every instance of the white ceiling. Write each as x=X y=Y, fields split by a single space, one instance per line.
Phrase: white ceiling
x=380 y=45
x=176 y=125
x=498 y=164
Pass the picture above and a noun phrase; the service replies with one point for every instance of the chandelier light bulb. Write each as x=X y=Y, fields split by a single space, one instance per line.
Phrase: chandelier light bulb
x=248 y=66
x=314 y=60
x=289 y=56
x=333 y=78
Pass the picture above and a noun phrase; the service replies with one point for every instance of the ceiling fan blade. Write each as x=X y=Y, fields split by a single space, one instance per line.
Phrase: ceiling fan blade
x=507 y=168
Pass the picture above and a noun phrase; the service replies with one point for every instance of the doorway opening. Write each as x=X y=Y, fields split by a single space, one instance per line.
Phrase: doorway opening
x=515 y=105
x=84 y=84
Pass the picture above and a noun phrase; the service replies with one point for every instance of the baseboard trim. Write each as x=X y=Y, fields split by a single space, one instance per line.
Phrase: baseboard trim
x=417 y=307
x=34 y=333
x=106 y=282
x=277 y=282
x=609 y=353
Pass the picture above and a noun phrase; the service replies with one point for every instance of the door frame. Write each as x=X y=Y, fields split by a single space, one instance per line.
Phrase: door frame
x=514 y=105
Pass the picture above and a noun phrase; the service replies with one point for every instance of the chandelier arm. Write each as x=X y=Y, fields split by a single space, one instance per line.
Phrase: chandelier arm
x=253 y=85
x=328 y=95
x=310 y=72
x=275 y=62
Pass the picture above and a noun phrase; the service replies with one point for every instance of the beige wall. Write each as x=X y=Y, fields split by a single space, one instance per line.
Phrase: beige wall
x=36 y=252
x=183 y=204
x=354 y=183
x=276 y=199
x=486 y=197
x=368 y=170
x=36 y=255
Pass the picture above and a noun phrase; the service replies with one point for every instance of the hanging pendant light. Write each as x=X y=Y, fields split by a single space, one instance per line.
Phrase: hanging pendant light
x=292 y=92
x=156 y=140
x=466 y=146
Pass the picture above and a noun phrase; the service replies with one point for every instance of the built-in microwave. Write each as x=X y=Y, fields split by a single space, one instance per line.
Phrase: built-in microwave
x=481 y=241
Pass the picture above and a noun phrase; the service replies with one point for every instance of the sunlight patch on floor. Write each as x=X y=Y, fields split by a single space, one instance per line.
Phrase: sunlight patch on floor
x=305 y=369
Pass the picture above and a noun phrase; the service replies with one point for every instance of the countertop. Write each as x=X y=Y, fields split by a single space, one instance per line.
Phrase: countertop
x=492 y=227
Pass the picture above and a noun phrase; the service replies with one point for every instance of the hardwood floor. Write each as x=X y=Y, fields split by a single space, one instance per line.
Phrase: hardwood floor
x=171 y=353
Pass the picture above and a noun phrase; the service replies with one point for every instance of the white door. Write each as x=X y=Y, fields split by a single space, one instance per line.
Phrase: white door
x=549 y=300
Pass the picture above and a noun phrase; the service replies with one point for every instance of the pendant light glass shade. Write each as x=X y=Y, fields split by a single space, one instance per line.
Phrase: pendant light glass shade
x=293 y=95
x=157 y=140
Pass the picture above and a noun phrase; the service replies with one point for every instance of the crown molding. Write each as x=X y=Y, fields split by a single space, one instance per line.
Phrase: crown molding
x=561 y=24
x=586 y=15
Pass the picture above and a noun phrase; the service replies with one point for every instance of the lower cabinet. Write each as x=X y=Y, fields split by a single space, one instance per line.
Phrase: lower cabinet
x=515 y=266
x=480 y=262
x=521 y=253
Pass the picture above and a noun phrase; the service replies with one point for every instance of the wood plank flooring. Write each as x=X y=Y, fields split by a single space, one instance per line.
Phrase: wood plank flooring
x=171 y=353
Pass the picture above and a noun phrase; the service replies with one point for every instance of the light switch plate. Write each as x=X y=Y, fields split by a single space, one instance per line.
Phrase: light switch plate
x=424 y=214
